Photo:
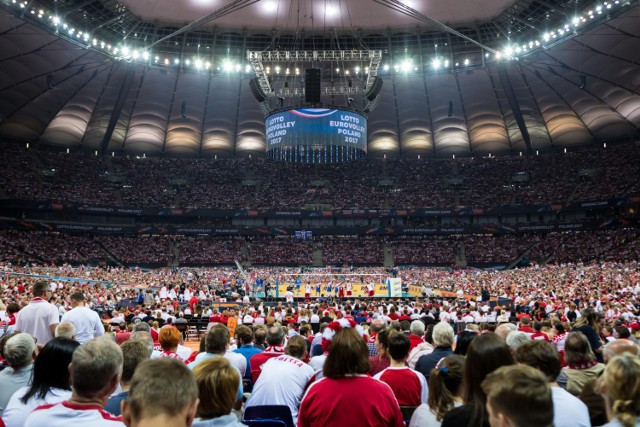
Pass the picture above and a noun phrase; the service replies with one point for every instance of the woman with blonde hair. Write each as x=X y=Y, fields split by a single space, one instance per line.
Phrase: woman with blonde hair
x=218 y=384
x=620 y=387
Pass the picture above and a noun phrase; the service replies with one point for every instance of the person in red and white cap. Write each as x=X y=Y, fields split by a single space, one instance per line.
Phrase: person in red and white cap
x=317 y=362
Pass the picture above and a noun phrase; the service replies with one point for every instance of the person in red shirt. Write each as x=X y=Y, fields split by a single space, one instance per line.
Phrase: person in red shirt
x=380 y=361
x=192 y=303
x=538 y=334
x=344 y=377
x=224 y=318
x=215 y=316
x=524 y=326
x=417 y=334
x=275 y=342
x=409 y=386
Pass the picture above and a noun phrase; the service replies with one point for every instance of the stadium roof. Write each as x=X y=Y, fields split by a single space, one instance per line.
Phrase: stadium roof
x=188 y=94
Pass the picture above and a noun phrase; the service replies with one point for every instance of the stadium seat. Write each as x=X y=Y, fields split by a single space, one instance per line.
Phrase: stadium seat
x=275 y=413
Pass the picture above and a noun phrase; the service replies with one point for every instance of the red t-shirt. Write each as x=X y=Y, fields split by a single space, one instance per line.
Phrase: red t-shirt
x=357 y=400
x=540 y=336
x=193 y=302
x=409 y=386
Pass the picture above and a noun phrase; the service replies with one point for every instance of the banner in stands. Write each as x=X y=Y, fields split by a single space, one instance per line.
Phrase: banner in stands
x=291 y=231
x=380 y=290
x=297 y=213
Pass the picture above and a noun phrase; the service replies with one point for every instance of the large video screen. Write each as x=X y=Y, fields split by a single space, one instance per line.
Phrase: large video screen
x=316 y=127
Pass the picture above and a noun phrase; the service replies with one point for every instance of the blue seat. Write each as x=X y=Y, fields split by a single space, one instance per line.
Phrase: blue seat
x=280 y=413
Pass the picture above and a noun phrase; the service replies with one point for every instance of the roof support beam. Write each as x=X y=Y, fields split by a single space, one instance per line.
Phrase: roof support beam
x=117 y=108
x=515 y=106
x=231 y=7
x=406 y=10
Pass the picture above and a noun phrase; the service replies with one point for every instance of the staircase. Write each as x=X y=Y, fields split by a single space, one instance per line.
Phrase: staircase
x=109 y=254
x=316 y=257
x=461 y=257
x=175 y=254
x=119 y=201
x=389 y=255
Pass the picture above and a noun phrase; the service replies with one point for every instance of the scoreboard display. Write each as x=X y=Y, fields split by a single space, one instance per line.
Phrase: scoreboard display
x=316 y=127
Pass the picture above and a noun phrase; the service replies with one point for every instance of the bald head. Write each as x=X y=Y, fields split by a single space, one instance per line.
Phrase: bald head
x=504 y=329
x=618 y=347
x=376 y=326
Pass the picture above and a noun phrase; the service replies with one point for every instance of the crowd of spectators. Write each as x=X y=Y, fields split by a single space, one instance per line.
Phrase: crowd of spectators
x=588 y=174
x=480 y=250
x=560 y=344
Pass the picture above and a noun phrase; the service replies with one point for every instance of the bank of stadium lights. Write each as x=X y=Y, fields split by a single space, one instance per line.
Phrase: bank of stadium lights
x=511 y=52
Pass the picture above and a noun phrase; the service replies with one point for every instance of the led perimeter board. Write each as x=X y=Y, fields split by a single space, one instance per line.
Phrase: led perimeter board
x=316 y=135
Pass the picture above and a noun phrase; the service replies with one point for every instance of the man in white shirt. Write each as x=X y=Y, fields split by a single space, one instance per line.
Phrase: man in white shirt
x=541 y=355
x=87 y=322
x=288 y=296
x=39 y=318
x=95 y=371
x=284 y=378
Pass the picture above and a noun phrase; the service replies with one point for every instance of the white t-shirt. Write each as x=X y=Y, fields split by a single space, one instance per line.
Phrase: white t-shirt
x=36 y=318
x=317 y=363
x=570 y=411
x=17 y=412
x=289 y=296
x=87 y=323
x=424 y=417
x=283 y=381
x=237 y=360
x=67 y=415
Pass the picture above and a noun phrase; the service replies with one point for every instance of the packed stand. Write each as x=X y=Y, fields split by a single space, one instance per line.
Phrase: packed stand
x=560 y=347
x=210 y=251
x=426 y=250
x=588 y=174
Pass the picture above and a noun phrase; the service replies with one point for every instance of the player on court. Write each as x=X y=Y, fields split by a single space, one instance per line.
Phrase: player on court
x=307 y=290
x=371 y=289
x=288 y=296
x=349 y=287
